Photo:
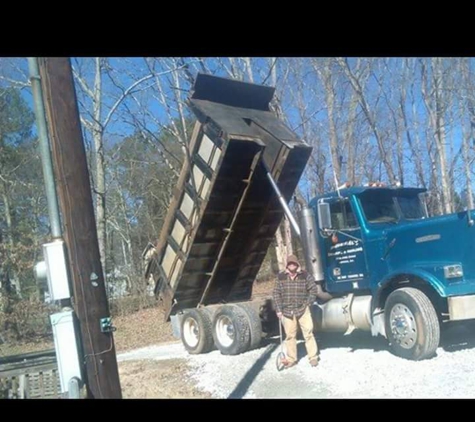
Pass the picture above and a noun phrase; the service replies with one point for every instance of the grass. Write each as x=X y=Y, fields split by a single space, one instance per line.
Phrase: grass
x=154 y=380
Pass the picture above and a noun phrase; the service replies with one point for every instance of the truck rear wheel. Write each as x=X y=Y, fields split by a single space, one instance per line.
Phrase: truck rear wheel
x=196 y=331
x=255 y=325
x=231 y=330
x=412 y=326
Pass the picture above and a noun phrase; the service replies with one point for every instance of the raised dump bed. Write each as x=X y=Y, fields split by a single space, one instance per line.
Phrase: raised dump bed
x=224 y=212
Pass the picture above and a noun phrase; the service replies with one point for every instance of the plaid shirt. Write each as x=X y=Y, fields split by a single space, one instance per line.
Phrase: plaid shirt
x=291 y=297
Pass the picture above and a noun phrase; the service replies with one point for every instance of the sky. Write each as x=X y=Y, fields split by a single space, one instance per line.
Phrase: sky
x=126 y=70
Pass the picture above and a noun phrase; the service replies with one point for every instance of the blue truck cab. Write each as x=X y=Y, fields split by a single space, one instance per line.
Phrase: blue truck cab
x=415 y=272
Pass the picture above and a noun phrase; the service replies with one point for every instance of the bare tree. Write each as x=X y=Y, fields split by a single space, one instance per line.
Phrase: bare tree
x=370 y=116
x=468 y=136
x=325 y=72
x=96 y=121
x=432 y=94
x=408 y=75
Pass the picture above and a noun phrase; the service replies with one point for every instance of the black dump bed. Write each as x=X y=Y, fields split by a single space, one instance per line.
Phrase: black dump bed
x=224 y=213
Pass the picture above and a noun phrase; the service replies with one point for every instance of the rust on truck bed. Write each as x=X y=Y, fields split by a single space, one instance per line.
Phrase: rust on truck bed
x=224 y=213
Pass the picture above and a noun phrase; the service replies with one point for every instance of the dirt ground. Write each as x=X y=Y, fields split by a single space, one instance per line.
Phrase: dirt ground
x=157 y=379
x=142 y=329
x=164 y=379
x=144 y=379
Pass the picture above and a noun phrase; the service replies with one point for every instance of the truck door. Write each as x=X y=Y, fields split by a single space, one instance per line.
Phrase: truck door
x=344 y=250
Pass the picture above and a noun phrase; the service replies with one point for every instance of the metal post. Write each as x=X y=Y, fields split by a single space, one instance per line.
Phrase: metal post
x=53 y=209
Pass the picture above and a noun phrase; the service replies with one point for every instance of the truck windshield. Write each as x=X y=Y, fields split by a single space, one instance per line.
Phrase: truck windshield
x=381 y=207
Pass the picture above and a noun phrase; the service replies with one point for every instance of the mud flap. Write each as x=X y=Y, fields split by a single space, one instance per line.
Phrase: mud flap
x=176 y=324
x=377 y=326
x=347 y=312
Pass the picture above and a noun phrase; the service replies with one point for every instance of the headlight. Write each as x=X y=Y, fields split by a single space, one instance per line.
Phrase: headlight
x=453 y=271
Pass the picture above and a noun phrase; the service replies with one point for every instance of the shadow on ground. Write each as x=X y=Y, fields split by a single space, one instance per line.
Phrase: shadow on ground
x=358 y=340
x=455 y=336
x=249 y=377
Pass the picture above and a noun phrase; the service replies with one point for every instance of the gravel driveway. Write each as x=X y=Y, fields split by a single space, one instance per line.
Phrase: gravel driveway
x=354 y=366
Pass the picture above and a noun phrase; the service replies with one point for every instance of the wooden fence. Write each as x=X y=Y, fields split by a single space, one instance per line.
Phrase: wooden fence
x=31 y=375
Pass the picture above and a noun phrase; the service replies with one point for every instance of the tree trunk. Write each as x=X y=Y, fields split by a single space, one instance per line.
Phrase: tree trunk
x=100 y=181
x=289 y=250
x=8 y=215
x=470 y=136
x=351 y=143
x=436 y=118
x=247 y=61
x=330 y=102
x=10 y=279
x=413 y=146
x=280 y=249
x=468 y=175
x=441 y=135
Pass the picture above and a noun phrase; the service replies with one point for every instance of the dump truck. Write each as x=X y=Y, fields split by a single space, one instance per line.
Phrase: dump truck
x=382 y=263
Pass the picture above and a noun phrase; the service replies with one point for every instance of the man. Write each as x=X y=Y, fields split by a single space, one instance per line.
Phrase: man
x=295 y=290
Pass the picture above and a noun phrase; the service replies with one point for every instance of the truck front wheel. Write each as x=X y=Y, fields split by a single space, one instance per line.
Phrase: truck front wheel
x=412 y=326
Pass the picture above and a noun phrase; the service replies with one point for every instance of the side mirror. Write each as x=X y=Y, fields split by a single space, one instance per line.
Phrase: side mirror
x=324 y=216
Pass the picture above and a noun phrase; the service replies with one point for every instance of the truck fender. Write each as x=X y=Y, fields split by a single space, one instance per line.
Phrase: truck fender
x=377 y=308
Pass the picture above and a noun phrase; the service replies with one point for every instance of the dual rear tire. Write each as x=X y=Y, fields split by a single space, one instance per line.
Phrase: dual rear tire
x=233 y=329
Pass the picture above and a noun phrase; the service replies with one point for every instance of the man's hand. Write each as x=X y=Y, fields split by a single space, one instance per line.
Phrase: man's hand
x=279 y=315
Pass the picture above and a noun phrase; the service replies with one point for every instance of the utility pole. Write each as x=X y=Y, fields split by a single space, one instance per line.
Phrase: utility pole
x=75 y=198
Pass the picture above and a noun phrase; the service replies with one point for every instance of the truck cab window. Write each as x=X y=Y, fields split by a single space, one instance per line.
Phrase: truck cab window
x=411 y=207
x=379 y=208
x=388 y=207
x=342 y=215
